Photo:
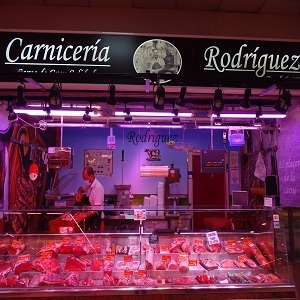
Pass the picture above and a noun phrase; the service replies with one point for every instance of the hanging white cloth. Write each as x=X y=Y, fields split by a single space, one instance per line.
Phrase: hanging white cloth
x=260 y=168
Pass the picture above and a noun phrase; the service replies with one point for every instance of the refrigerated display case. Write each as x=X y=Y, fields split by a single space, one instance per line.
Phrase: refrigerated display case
x=213 y=262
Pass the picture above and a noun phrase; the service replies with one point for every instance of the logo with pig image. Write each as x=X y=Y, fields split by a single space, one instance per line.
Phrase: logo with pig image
x=153 y=154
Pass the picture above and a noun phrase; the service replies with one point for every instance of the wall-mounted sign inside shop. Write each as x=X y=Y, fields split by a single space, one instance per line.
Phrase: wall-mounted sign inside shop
x=150 y=136
x=39 y=53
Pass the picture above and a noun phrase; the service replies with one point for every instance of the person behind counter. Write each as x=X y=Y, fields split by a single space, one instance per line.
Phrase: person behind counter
x=91 y=194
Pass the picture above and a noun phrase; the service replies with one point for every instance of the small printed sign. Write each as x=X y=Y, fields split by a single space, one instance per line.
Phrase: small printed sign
x=212 y=238
x=276 y=218
x=276 y=225
x=128 y=273
x=139 y=214
x=268 y=201
x=142 y=274
x=111 y=142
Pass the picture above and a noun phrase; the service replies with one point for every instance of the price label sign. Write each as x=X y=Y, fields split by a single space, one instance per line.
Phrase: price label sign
x=111 y=142
x=212 y=238
x=139 y=214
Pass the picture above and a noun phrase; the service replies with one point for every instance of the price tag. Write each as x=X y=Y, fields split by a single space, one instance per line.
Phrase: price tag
x=247 y=240
x=242 y=258
x=142 y=274
x=192 y=262
x=47 y=254
x=15 y=244
x=164 y=249
x=139 y=214
x=127 y=258
x=79 y=239
x=110 y=256
x=111 y=142
x=128 y=273
x=183 y=258
x=212 y=238
x=198 y=242
x=166 y=258
x=66 y=240
x=50 y=245
x=268 y=202
x=25 y=257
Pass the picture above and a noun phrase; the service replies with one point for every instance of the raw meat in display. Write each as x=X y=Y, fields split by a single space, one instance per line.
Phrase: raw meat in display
x=252 y=278
x=185 y=247
x=82 y=249
x=53 y=279
x=46 y=264
x=267 y=249
x=184 y=280
x=21 y=282
x=72 y=280
x=4 y=248
x=36 y=279
x=74 y=264
x=66 y=248
x=9 y=281
x=213 y=248
x=97 y=265
x=158 y=280
x=232 y=246
x=52 y=248
x=5 y=268
x=161 y=265
x=97 y=249
x=108 y=267
x=168 y=279
x=149 y=258
x=227 y=263
x=205 y=279
x=109 y=280
x=271 y=278
x=199 y=248
x=22 y=266
x=208 y=264
x=172 y=265
x=16 y=248
x=175 y=246
x=259 y=257
x=240 y=264
x=250 y=263
x=221 y=278
x=87 y=281
x=183 y=266
x=236 y=278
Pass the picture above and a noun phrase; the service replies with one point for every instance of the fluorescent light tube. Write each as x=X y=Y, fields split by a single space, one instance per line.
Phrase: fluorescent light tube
x=153 y=114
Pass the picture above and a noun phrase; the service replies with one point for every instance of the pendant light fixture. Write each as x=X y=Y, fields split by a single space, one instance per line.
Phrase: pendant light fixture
x=217 y=101
x=55 y=96
x=245 y=103
x=112 y=100
x=159 y=98
x=284 y=101
x=180 y=101
x=21 y=100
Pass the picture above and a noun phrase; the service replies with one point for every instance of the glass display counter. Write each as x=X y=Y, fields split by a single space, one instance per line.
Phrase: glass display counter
x=56 y=255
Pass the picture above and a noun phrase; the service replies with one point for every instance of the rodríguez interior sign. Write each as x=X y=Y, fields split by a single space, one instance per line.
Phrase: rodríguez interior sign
x=65 y=53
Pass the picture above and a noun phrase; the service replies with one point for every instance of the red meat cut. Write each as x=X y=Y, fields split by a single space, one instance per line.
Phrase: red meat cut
x=46 y=264
x=74 y=264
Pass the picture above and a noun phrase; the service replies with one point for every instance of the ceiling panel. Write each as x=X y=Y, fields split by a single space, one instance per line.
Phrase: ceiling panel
x=281 y=7
x=202 y=5
x=78 y=3
x=252 y=6
x=162 y=4
x=111 y=4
